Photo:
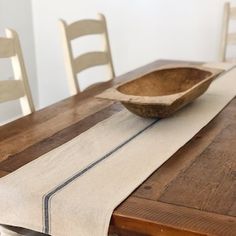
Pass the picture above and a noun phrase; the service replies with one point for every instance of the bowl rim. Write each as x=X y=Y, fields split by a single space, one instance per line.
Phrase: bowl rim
x=115 y=95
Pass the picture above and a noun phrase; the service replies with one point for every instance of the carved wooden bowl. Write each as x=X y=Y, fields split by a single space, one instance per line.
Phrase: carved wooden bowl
x=162 y=92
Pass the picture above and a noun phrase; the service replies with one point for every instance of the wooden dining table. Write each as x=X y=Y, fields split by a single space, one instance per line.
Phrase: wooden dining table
x=193 y=193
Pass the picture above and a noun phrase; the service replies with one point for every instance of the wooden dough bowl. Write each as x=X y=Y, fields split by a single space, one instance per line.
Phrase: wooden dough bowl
x=162 y=92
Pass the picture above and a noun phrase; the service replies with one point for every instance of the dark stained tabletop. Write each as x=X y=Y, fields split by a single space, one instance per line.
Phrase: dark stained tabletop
x=193 y=193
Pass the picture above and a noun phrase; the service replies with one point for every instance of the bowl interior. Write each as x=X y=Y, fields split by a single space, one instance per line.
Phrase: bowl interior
x=164 y=82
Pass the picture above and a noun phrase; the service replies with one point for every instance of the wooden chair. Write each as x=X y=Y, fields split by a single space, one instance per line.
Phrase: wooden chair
x=19 y=87
x=87 y=60
x=226 y=37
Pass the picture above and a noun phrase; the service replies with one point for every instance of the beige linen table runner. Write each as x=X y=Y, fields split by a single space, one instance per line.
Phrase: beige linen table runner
x=73 y=189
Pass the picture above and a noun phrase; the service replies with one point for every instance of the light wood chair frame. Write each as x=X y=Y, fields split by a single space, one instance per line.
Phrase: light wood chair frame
x=75 y=65
x=226 y=37
x=19 y=87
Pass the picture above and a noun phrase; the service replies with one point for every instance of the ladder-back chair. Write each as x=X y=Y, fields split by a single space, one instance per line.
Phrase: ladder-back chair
x=17 y=88
x=227 y=38
x=76 y=65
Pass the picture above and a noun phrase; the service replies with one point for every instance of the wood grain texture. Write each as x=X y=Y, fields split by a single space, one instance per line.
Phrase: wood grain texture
x=197 y=177
x=164 y=91
x=148 y=217
x=27 y=138
x=156 y=185
x=209 y=184
x=3 y=173
x=41 y=125
x=32 y=152
x=154 y=208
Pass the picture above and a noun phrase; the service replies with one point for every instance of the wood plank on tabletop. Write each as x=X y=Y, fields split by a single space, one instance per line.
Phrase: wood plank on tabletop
x=34 y=134
x=34 y=151
x=27 y=131
x=71 y=103
x=3 y=173
x=147 y=217
x=208 y=210
x=43 y=115
x=209 y=184
x=142 y=213
x=157 y=183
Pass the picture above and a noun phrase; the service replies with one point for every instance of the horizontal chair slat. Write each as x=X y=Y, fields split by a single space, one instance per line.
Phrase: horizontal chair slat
x=7 y=48
x=232 y=38
x=85 y=27
x=233 y=13
x=11 y=90
x=90 y=59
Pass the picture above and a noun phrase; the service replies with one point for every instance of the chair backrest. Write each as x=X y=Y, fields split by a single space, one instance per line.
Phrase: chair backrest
x=87 y=60
x=19 y=87
x=226 y=37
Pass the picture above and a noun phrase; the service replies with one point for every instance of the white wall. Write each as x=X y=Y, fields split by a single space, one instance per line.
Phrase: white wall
x=17 y=14
x=140 y=31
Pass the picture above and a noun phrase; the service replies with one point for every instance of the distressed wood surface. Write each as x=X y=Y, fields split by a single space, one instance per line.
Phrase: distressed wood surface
x=3 y=173
x=209 y=183
x=141 y=216
x=162 y=92
x=35 y=128
x=193 y=193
